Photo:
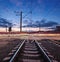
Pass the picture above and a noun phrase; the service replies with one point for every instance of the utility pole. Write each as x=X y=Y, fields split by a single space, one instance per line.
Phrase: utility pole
x=6 y=28
x=20 y=15
x=21 y=21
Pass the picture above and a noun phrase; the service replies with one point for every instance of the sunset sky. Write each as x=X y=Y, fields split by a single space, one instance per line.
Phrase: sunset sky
x=41 y=9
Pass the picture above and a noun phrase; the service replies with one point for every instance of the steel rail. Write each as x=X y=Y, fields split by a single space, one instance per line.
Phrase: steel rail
x=13 y=57
x=43 y=52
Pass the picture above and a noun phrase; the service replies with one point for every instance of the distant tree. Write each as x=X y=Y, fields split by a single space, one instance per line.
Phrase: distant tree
x=10 y=29
x=5 y=23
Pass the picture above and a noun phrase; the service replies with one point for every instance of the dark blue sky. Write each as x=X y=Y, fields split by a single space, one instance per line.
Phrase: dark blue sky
x=41 y=9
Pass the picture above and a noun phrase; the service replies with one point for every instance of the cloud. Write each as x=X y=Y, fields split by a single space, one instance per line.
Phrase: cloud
x=4 y=23
x=42 y=23
x=49 y=24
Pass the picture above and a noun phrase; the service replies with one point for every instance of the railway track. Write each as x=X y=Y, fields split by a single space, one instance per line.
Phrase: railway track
x=29 y=51
x=51 y=49
x=7 y=46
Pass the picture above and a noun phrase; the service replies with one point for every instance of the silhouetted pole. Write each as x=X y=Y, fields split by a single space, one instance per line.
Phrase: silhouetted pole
x=6 y=28
x=21 y=21
x=20 y=15
x=39 y=29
